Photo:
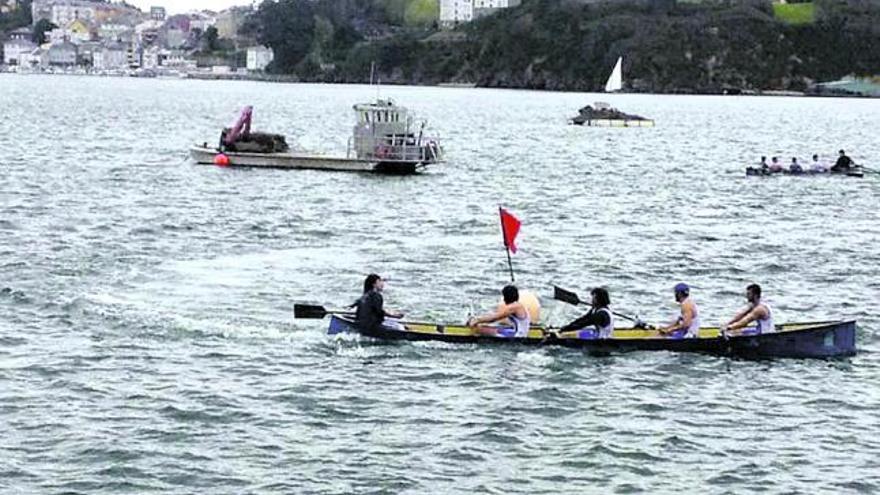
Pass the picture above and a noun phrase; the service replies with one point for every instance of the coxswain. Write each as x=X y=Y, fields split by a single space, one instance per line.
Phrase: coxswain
x=688 y=322
x=843 y=164
x=599 y=319
x=512 y=310
x=370 y=312
x=757 y=311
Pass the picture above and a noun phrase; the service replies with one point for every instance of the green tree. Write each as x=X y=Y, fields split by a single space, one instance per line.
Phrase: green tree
x=422 y=12
x=43 y=25
x=210 y=39
x=288 y=27
x=19 y=17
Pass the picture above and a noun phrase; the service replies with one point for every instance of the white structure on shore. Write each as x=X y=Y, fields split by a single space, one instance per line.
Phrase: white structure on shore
x=15 y=49
x=455 y=12
x=259 y=57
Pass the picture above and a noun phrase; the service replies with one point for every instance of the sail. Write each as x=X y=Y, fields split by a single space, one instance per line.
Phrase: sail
x=615 y=80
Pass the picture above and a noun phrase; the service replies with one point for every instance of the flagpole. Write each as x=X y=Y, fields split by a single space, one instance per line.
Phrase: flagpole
x=506 y=246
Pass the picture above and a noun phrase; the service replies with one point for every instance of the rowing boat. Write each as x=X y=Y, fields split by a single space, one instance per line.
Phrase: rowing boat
x=851 y=172
x=791 y=340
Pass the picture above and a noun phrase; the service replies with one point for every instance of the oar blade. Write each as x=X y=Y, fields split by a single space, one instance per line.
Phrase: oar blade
x=309 y=311
x=563 y=295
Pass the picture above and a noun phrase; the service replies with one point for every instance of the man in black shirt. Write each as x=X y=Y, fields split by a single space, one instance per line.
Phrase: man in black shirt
x=843 y=163
x=370 y=312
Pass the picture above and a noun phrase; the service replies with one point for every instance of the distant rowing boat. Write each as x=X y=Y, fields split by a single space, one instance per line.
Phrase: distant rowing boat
x=856 y=171
x=793 y=340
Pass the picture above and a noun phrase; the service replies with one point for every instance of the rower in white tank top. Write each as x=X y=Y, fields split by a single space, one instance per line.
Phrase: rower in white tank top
x=682 y=327
x=693 y=330
x=757 y=311
x=520 y=325
x=765 y=325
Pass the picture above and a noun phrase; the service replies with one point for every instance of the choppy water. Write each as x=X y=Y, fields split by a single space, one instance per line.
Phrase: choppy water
x=147 y=342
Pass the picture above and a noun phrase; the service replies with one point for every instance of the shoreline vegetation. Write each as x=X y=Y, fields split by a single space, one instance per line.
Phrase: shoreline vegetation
x=669 y=47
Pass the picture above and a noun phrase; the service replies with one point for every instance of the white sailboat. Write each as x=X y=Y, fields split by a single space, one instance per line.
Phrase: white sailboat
x=615 y=80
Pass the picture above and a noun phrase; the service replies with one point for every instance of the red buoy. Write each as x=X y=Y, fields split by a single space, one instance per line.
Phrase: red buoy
x=221 y=160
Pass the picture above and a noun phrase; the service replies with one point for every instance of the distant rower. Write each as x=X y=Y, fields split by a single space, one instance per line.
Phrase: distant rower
x=817 y=166
x=688 y=323
x=843 y=163
x=757 y=311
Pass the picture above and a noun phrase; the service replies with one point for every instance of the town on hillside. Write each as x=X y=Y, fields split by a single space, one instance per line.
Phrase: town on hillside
x=115 y=38
x=98 y=37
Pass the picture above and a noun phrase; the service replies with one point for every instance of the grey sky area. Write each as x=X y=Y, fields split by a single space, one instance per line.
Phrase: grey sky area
x=178 y=6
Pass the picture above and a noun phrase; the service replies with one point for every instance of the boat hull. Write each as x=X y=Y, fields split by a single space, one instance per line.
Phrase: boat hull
x=205 y=156
x=797 y=340
x=853 y=172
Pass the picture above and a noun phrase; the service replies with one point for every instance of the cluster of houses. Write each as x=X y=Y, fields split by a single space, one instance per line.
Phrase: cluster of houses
x=108 y=37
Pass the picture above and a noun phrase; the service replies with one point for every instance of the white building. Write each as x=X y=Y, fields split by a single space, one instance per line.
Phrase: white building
x=201 y=21
x=114 y=32
x=63 y=54
x=65 y=13
x=157 y=13
x=113 y=56
x=455 y=12
x=13 y=50
x=59 y=35
x=259 y=57
x=36 y=58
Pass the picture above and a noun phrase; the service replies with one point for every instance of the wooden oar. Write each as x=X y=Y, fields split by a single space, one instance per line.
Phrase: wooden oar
x=572 y=298
x=313 y=311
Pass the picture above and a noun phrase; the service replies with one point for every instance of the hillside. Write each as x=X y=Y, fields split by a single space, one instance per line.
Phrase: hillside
x=668 y=46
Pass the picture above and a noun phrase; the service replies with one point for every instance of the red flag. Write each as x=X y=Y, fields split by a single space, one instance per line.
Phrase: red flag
x=509 y=229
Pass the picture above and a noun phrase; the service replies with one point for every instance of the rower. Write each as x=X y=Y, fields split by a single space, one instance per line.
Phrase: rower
x=688 y=322
x=843 y=162
x=795 y=167
x=775 y=166
x=757 y=311
x=512 y=310
x=817 y=167
x=370 y=313
x=599 y=319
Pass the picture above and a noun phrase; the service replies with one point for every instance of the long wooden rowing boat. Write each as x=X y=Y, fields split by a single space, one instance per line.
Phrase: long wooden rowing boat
x=855 y=171
x=791 y=340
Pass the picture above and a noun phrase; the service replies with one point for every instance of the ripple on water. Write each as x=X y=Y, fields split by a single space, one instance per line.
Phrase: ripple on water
x=148 y=343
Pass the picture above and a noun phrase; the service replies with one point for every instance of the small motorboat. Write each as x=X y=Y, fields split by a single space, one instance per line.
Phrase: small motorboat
x=604 y=115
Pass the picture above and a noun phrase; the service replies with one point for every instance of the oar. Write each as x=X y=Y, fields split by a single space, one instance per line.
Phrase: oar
x=572 y=298
x=313 y=311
